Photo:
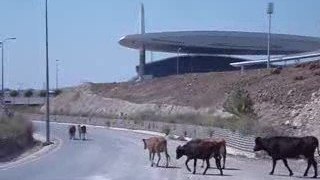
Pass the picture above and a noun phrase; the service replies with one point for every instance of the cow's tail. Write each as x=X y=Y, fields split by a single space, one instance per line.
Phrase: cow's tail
x=318 y=148
x=166 y=151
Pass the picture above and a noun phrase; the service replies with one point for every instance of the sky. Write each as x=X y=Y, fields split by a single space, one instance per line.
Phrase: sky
x=84 y=34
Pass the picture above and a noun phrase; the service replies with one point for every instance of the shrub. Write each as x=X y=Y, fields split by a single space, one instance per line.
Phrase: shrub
x=28 y=93
x=166 y=130
x=16 y=134
x=57 y=92
x=14 y=93
x=239 y=102
x=299 y=78
x=43 y=93
x=275 y=71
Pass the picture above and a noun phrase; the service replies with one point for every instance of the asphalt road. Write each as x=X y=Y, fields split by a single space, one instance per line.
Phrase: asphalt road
x=111 y=154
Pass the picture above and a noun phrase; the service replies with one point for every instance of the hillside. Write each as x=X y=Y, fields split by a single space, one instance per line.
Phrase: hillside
x=279 y=99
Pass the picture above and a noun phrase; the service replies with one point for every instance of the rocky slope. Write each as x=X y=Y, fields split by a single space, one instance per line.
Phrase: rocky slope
x=287 y=99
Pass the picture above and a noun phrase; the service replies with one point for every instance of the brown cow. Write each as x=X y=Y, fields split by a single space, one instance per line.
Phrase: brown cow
x=156 y=145
x=223 y=150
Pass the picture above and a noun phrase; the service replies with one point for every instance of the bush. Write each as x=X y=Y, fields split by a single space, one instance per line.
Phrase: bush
x=166 y=130
x=275 y=71
x=28 y=93
x=57 y=92
x=298 y=78
x=43 y=93
x=239 y=102
x=14 y=93
x=16 y=135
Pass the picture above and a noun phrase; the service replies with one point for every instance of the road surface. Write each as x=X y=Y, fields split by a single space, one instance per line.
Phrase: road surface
x=111 y=154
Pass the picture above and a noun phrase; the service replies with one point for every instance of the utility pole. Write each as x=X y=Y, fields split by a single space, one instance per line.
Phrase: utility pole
x=47 y=83
x=269 y=12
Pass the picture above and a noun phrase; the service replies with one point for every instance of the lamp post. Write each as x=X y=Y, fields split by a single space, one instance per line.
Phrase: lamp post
x=47 y=81
x=2 y=66
x=178 y=53
x=269 y=12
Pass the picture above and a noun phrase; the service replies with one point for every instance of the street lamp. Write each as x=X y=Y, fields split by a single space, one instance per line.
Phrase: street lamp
x=178 y=53
x=47 y=81
x=269 y=12
x=2 y=65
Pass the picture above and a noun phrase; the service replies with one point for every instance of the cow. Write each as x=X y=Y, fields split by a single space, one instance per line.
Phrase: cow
x=82 y=129
x=281 y=148
x=200 y=149
x=223 y=150
x=72 y=131
x=156 y=145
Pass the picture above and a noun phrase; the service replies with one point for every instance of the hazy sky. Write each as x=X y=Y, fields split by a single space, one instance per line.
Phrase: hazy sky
x=84 y=34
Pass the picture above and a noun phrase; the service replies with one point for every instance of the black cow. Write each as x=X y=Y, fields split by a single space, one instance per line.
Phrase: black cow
x=201 y=149
x=289 y=147
x=72 y=131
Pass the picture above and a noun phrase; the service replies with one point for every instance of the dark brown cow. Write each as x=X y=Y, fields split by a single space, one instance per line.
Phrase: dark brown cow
x=72 y=131
x=201 y=149
x=156 y=145
x=223 y=150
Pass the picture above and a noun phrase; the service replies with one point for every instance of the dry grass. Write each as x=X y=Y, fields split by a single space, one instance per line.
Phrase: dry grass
x=15 y=136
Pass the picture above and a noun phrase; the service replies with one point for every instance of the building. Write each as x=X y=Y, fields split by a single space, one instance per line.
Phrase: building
x=211 y=50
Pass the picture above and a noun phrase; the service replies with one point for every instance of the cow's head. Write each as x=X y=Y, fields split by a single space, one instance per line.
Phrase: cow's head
x=180 y=152
x=145 y=144
x=258 y=144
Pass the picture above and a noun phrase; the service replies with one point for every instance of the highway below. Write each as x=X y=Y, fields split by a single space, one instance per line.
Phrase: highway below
x=112 y=154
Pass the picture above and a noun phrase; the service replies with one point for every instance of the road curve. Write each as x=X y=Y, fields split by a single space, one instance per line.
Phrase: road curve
x=111 y=154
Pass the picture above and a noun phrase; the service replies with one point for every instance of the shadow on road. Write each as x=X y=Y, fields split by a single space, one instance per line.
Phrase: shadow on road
x=228 y=169
x=296 y=176
x=170 y=167
x=208 y=174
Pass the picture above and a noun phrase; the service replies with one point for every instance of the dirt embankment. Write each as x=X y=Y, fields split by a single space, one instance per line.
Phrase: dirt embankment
x=287 y=99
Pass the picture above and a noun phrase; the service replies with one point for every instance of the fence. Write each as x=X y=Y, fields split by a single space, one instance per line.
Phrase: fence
x=234 y=139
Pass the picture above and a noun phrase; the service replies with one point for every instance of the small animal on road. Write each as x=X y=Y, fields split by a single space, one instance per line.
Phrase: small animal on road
x=282 y=147
x=201 y=149
x=82 y=129
x=72 y=131
x=156 y=145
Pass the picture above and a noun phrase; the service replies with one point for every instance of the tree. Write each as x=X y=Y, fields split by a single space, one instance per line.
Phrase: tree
x=43 y=93
x=28 y=94
x=57 y=92
x=14 y=94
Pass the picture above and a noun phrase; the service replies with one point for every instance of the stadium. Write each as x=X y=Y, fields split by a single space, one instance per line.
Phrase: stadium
x=212 y=51
x=207 y=51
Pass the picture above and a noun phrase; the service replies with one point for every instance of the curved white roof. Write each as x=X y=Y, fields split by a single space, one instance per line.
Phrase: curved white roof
x=220 y=42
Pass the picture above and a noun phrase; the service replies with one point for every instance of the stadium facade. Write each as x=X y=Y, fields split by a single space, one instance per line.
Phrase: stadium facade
x=209 y=50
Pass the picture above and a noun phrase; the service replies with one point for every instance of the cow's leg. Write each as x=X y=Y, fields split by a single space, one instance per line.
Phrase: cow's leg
x=285 y=162
x=218 y=164
x=274 y=162
x=194 y=165
x=307 y=170
x=314 y=163
x=187 y=164
x=224 y=161
x=149 y=155
x=152 y=159
x=202 y=166
x=208 y=166
x=159 y=157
